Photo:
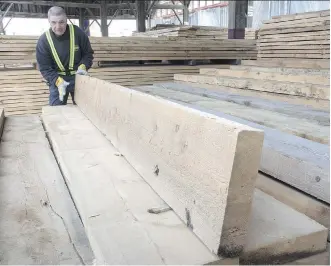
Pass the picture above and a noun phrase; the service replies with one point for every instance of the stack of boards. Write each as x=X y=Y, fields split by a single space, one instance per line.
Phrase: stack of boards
x=304 y=35
x=294 y=100
x=202 y=32
x=24 y=92
x=172 y=156
x=21 y=49
x=288 y=100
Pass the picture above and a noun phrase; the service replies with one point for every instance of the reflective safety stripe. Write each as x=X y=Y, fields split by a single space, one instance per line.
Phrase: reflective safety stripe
x=72 y=47
x=66 y=73
x=72 y=52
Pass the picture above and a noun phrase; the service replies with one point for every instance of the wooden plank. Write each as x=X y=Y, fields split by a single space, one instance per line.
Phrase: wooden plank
x=281 y=38
x=180 y=176
x=10 y=113
x=266 y=76
x=39 y=222
x=277 y=26
x=292 y=30
x=295 y=199
x=289 y=88
x=312 y=35
x=310 y=48
x=113 y=199
x=323 y=105
x=327 y=42
x=308 y=129
x=299 y=16
x=306 y=21
x=296 y=52
x=284 y=156
x=296 y=63
x=307 y=56
x=296 y=241
x=255 y=101
x=325 y=73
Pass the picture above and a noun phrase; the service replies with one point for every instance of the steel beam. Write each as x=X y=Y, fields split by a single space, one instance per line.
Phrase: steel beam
x=237 y=19
x=151 y=7
x=81 y=18
x=164 y=6
x=141 y=16
x=180 y=21
x=185 y=11
x=44 y=15
x=54 y=3
x=103 y=17
x=6 y=11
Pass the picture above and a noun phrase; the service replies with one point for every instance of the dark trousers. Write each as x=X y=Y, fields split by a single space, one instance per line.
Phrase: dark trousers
x=54 y=97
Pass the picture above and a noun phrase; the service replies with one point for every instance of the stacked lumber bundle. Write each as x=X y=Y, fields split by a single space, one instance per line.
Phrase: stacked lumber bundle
x=298 y=85
x=305 y=35
x=24 y=92
x=202 y=32
x=190 y=176
x=21 y=49
x=144 y=75
x=171 y=48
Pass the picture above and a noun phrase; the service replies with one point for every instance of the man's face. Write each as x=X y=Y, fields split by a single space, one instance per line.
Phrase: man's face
x=58 y=24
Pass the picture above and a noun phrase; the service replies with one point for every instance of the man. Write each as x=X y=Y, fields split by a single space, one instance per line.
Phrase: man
x=62 y=51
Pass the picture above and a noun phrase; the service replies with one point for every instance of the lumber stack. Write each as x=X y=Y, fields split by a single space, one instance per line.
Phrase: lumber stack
x=153 y=133
x=22 y=92
x=202 y=32
x=171 y=48
x=304 y=35
x=21 y=49
x=25 y=92
x=312 y=89
x=144 y=75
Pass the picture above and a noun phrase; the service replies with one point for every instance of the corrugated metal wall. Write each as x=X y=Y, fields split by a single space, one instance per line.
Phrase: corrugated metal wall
x=258 y=11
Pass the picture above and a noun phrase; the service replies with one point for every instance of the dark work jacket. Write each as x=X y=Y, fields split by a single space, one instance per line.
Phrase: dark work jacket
x=46 y=63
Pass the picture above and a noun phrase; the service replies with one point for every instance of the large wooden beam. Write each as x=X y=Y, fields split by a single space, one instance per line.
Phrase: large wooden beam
x=284 y=156
x=113 y=200
x=202 y=166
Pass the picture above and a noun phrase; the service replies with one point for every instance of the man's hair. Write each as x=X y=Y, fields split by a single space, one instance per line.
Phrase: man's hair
x=56 y=11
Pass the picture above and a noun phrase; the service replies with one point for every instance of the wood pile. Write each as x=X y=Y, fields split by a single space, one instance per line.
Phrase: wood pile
x=143 y=75
x=25 y=92
x=171 y=48
x=305 y=35
x=203 y=32
x=22 y=92
x=21 y=49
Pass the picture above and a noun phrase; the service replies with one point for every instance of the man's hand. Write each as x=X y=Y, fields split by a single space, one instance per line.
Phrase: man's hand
x=81 y=70
x=62 y=85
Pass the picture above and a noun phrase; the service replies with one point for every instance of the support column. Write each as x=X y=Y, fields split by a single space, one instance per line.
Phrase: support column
x=185 y=12
x=237 y=19
x=103 y=17
x=141 y=16
x=2 y=30
x=81 y=19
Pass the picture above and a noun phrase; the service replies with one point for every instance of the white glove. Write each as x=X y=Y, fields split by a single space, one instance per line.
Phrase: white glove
x=62 y=87
x=81 y=72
